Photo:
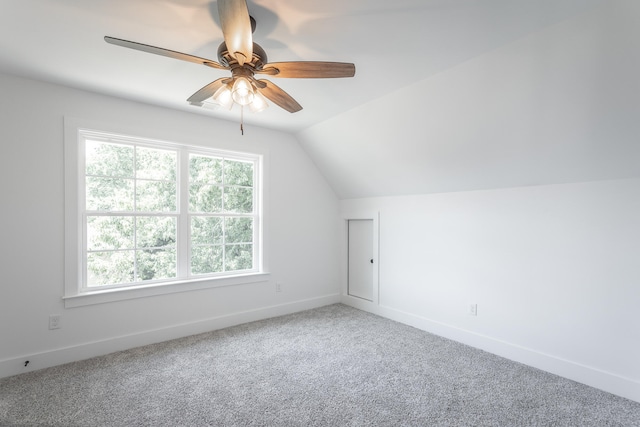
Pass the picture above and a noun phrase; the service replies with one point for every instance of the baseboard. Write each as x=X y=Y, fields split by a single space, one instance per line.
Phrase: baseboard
x=606 y=381
x=14 y=366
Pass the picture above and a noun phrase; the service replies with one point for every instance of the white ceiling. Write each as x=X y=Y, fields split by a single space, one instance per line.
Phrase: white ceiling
x=393 y=44
x=449 y=95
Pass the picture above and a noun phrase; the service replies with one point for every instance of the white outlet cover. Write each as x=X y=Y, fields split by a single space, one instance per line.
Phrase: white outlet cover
x=473 y=309
x=54 y=321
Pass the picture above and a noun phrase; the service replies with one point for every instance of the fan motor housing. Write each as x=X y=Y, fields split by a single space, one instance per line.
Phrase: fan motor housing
x=257 y=61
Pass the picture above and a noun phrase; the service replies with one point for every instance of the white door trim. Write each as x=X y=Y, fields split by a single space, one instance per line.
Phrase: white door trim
x=375 y=217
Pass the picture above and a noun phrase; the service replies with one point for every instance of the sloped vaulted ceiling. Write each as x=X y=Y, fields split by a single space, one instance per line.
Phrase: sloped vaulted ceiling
x=393 y=44
x=449 y=95
x=559 y=105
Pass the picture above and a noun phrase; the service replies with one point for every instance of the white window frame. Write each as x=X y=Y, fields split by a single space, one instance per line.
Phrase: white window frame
x=75 y=292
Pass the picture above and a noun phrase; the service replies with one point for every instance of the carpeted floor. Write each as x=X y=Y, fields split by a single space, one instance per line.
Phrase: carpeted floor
x=332 y=366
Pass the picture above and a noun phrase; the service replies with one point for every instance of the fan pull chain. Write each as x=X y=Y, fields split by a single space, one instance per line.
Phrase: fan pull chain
x=242 y=120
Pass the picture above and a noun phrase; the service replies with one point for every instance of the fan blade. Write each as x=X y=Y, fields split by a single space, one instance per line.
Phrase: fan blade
x=278 y=96
x=207 y=91
x=309 y=69
x=164 y=52
x=236 y=28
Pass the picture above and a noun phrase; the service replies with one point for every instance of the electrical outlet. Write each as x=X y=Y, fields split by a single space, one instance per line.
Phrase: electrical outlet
x=473 y=309
x=54 y=321
x=278 y=287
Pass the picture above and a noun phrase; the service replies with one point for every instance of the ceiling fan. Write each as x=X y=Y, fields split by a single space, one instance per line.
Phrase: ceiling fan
x=244 y=58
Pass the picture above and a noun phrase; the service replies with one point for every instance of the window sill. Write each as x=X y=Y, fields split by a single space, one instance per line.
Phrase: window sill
x=121 y=294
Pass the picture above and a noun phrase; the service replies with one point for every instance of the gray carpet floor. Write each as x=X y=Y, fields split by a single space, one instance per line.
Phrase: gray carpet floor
x=331 y=366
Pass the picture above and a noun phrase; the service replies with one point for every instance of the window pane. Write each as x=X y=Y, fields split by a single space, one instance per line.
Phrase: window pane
x=157 y=164
x=205 y=198
x=109 y=232
x=109 y=194
x=206 y=230
x=238 y=257
x=238 y=199
x=239 y=230
x=238 y=173
x=154 y=264
x=134 y=195
x=205 y=169
x=109 y=268
x=206 y=259
x=155 y=232
x=106 y=159
x=156 y=196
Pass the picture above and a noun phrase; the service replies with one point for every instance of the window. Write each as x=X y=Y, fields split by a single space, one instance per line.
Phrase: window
x=130 y=216
x=152 y=213
x=221 y=206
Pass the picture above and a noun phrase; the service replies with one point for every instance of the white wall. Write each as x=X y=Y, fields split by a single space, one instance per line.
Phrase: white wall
x=301 y=231
x=547 y=127
x=553 y=269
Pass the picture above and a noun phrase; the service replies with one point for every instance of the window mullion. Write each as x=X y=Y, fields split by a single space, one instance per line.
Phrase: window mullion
x=135 y=214
x=183 y=213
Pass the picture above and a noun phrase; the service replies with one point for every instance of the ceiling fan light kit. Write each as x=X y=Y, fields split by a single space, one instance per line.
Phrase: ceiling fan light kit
x=241 y=92
x=222 y=97
x=259 y=103
x=244 y=59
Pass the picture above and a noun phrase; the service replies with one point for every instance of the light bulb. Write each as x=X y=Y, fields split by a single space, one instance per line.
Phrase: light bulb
x=242 y=91
x=259 y=102
x=223 y=97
